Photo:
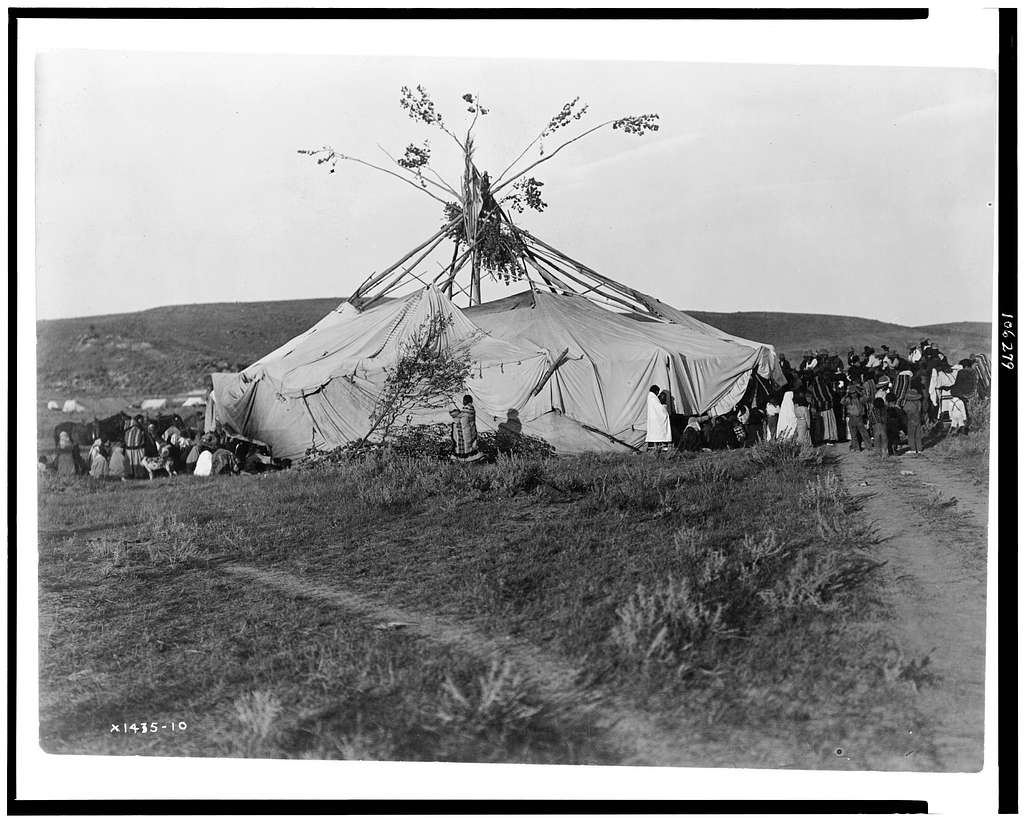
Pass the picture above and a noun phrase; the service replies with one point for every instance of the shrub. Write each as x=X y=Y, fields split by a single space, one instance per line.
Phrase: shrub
x=708 y=470
x=816 y=579
x=784 y=452
x=636 y=486
x=669 y=624
x=498 y=699
x=428 y=441
x=257 y=720
x=513 y=474
x=492 y=444
x=826 y=498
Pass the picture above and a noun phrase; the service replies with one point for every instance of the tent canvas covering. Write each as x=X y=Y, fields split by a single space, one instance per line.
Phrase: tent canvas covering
x=577 y=373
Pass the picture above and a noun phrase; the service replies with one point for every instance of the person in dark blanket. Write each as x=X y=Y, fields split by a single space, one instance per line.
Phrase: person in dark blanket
x=893 y=422
x=692 y=440
x=879 y=427
x=855 y=410
x=722 y=436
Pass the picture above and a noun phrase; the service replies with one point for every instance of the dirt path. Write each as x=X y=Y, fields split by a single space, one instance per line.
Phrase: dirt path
x=641 y=740
x=936 y=553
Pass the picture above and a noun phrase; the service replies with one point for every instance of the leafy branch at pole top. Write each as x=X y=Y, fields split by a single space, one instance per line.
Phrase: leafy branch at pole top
x=498 y=247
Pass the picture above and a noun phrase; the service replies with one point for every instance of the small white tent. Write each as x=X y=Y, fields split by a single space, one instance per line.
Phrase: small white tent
x=153 y=403
x=194 y=401
x=53 y=406
x=72 y=405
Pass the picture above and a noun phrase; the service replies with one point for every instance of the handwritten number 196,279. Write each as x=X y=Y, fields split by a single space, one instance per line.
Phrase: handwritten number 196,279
x=1006 y=346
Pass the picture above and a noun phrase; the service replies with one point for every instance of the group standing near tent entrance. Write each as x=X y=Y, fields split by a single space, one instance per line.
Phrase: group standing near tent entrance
x=877 y=402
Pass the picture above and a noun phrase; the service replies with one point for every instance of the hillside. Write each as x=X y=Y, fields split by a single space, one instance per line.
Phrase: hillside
x=172 y=349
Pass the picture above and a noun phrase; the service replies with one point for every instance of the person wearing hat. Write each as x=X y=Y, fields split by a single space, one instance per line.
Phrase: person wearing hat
x=882 y=387
x=853 y=406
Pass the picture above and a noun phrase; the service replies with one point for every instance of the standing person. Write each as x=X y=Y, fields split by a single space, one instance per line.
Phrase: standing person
x=659 y=427
x=913 y=405
x=135 y=447
x=464 y=434
x=830 y=431
x=803 y=421
x=965 y=387
x=787 y=418
x=838 y=415
x=878 y=425
x=98 y=467
x=893 y=422
x=853 y=406
x=152 y=443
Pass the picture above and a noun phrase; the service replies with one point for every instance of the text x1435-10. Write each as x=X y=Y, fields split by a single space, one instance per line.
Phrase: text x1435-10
x=137 y=727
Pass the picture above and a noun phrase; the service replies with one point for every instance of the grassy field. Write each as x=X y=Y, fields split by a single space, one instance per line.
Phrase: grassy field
x=726 y=605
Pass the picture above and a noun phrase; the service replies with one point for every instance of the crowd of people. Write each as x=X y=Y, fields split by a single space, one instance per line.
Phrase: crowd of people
x=878 y=400
x=873 y=400
x=141 y=451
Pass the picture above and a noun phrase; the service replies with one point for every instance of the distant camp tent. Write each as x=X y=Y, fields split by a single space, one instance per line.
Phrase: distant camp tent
x=72 y=405
x=194 y=401
x=151 y=404
x=53 y=405
x=575 y=352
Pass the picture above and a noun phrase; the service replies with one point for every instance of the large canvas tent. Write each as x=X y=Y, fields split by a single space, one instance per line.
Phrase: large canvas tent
x=577 y=374
x=575 y=352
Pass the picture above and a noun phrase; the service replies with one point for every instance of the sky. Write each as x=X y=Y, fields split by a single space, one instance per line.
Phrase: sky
x=168 y=178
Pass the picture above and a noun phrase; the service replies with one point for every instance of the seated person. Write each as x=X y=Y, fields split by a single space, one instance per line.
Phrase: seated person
x=691 y=439
x=722 y=436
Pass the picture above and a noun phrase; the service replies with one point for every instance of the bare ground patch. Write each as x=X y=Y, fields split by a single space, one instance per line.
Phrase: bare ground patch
x=933 y=527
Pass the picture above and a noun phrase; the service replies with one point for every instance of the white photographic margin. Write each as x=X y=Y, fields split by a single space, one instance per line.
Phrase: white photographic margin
x=954 y=36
